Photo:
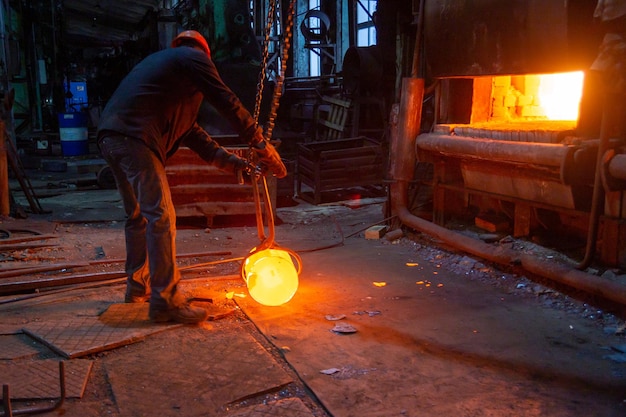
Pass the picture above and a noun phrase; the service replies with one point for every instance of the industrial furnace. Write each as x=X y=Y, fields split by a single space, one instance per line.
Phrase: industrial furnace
x=503 y=148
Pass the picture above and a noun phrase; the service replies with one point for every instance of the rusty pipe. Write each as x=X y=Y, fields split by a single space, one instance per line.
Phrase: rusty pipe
x=597 y=199
x=589 y=283
x=404 y=128
x=407 y=124
x=545 y=154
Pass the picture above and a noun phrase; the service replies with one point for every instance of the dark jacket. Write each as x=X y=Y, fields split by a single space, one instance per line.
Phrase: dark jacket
x=159 y=100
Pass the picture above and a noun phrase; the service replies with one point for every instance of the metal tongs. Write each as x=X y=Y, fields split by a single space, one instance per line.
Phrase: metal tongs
x=257 y=176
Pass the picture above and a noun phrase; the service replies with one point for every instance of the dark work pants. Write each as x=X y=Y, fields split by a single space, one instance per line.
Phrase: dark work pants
x=150 y=230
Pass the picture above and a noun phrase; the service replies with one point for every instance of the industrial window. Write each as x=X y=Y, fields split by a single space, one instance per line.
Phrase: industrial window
x=366 y=32
x=315 y=61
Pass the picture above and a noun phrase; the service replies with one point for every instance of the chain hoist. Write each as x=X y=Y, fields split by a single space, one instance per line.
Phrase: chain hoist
x=285 y=46
x=280 y=77
x=271 y=12
x=284 y=56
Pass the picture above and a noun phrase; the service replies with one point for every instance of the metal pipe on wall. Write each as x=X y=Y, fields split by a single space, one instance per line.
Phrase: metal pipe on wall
x=552 y=155
x=597 y=200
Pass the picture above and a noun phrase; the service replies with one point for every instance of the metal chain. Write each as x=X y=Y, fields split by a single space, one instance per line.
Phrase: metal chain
x=269 y=241
x=271 y=12
x=278 y=91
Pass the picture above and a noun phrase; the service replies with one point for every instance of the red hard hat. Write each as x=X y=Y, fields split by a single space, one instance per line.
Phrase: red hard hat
x=195 y=37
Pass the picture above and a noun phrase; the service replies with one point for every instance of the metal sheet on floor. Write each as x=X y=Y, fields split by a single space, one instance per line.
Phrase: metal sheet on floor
x=204 y=370
x=40 y=379
x=17 y=346
x=119 y=325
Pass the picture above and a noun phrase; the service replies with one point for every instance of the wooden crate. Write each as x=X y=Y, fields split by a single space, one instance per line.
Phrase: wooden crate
x=338 y=164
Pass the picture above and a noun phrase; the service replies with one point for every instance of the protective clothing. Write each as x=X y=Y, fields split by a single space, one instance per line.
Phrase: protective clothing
x=270 y=159
x=194 y=37
x=159 y=100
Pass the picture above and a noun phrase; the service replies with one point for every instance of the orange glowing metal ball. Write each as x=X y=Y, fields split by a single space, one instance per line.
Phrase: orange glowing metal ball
x=271 y=276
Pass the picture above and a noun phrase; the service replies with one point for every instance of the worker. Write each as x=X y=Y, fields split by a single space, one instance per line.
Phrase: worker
x=152 y=112
x=611 y=59
x=605 y=81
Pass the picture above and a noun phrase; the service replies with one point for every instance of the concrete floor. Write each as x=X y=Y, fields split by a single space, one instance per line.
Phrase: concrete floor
x=376 y=328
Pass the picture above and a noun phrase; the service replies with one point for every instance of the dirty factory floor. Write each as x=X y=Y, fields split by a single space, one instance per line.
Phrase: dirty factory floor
x=378 y=327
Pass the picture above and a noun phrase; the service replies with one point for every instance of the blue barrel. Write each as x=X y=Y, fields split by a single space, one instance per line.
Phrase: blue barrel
x=73 y=133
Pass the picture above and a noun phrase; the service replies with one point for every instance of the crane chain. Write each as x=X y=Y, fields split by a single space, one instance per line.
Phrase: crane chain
x=278 y=90
x=286 y=44
x=271 y=12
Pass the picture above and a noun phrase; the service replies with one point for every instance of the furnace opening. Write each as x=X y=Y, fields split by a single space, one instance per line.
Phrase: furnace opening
x=528 y=108
x=534 y=97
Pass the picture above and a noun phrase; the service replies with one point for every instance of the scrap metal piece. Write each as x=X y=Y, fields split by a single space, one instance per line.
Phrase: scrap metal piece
x=8 y=410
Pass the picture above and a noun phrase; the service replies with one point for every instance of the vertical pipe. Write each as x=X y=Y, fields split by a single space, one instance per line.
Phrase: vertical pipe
x=409 y=118
x=597 y=199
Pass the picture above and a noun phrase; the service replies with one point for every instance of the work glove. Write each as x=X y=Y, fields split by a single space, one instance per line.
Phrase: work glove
x=269 y=159
x=242 y=168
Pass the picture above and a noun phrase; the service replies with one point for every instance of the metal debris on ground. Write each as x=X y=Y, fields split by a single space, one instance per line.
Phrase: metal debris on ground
x=369 y=313
x=347 y=372
x=344 y=328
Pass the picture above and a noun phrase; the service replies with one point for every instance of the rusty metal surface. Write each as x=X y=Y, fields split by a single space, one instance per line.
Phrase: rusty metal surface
x=488 y=37
x=551 y=131
x=551 y=155
x=39 y=379
x=523 y=171
x=219 y=367
x=120 y=325
x=517 y=183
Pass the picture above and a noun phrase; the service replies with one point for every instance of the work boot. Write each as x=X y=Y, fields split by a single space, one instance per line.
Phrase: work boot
x=183 y=313
x=136 y=298
x=132 y=296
